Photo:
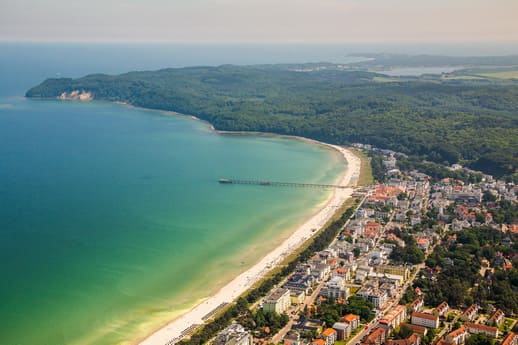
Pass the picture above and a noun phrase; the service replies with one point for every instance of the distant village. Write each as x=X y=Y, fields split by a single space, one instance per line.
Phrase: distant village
x=377 y=258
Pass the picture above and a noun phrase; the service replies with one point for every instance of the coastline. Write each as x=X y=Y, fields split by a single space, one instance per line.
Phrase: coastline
x=244 y=281
x=297 y=236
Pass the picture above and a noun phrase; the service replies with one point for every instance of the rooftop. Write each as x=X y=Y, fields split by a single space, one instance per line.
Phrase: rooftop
x=425 y=316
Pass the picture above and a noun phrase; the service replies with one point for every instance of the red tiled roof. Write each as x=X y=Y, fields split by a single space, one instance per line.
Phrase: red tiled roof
x=497 y=314
x=425 y=316
x=442 y=306
x=319 y=342
x=457 y=332
x=417 y=301
x=376 y=334
x=485 y=328
x=328 y=332
x=415 y=328
x=509 y=338
x=471 y=308
x=351 y=317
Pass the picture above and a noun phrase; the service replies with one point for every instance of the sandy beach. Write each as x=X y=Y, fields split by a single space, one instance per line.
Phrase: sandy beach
x=175 y=330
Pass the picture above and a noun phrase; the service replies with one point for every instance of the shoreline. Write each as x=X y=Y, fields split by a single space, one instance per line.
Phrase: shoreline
x=206 y=308
x=174 y=329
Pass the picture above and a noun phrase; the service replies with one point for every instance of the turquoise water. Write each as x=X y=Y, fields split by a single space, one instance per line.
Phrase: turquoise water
x=112 y=220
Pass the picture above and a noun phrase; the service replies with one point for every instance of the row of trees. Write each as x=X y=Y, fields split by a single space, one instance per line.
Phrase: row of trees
x=410 y=253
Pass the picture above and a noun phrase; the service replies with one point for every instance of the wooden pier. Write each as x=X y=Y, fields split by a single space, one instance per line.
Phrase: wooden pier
x=277 y=184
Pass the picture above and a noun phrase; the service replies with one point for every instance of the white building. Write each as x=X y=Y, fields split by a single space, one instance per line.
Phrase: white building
x=235 y=334
x=426 y=320
x=278 y=301
x=335 y=288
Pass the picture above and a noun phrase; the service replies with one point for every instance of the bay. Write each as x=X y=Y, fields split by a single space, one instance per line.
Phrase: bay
x=112 y=220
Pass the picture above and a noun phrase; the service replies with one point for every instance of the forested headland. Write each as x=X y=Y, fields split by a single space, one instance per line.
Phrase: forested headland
x=445 y=120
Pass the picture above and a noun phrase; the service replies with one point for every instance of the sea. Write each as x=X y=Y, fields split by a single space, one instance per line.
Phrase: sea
x=112 y=220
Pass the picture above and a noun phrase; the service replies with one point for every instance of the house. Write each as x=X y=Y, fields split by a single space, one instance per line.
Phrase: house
x=343 y=330
x=329 y=335
x=297 y=296
x=335 y=288
x=352 y=319
x=415 y=328
x=392 y=237
x=401 y=270
x=426 y=320
x=457 y=336
x=414 y=339
x=442 y=309
x=389 y=163
x=390 y=287
x=470 y=314
x=377 y=337
x=343 y=272
x=476 y=328
x=415 y=219
x=510 y=339
x=403 y=205
x=497 y=318
x=318 y=342
x=417 y=304
x=292 y=338
x=320 y=270
x=423 y=243
x=309 y=325
x=278 y=301
x=459 y=224
x=393 y=318
x=375 y=295
x=381 y=214
x=235 y=334
x=300 y=282
x=373 y=227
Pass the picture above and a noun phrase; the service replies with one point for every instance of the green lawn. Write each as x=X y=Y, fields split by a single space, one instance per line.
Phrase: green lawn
x=366 y=177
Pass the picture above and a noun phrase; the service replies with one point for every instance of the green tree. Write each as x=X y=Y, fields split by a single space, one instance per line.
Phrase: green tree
x=479 y=339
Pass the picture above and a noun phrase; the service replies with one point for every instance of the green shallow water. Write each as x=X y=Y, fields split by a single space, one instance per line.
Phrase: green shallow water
x=112 y=220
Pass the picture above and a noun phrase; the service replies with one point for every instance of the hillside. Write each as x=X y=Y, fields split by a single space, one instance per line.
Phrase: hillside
x=474 y=122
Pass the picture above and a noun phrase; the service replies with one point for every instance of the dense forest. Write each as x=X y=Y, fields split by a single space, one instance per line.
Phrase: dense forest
x=473 y=122
x=461 y=281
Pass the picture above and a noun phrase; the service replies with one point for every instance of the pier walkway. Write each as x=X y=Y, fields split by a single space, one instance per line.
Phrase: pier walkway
x=277 y=184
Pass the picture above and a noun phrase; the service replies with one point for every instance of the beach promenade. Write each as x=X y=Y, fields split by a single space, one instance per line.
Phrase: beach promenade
x=178 y=328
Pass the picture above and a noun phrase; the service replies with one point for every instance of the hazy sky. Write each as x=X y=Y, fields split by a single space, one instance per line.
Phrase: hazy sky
x=325 y=21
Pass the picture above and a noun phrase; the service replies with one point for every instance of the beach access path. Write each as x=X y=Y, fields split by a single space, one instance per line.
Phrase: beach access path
x=174 y=331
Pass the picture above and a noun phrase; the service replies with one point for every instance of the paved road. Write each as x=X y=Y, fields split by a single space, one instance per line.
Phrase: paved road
x=293 y=313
